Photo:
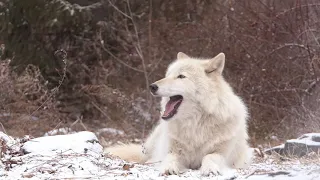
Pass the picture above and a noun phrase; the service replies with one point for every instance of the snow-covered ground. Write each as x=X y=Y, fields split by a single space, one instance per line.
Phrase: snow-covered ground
x=80 y=156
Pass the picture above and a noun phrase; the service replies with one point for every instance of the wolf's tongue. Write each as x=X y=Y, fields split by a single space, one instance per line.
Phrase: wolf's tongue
x=170 y=107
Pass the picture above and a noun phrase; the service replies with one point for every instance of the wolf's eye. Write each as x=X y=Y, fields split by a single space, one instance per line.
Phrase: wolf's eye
x=181 y=76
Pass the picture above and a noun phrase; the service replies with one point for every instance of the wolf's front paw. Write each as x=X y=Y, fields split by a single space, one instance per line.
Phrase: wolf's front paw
x=213 y=164
x=170 y=165
x=170 y=169
x=211 y=168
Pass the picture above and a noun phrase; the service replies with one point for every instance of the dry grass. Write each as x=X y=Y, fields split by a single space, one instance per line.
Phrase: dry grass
x=21 y=98
x=275 y=158
x=275 y=164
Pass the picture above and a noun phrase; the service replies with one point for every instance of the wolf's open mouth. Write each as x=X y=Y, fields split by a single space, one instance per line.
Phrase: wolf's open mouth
x=172 y=107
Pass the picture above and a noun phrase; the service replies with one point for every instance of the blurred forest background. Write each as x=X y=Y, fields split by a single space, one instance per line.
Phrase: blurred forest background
x=115 y=48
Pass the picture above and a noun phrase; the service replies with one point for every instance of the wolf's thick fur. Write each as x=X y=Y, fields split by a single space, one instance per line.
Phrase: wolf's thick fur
x=209 y=130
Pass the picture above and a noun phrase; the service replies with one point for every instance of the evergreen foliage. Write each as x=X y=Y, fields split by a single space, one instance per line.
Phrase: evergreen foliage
x=33 y=30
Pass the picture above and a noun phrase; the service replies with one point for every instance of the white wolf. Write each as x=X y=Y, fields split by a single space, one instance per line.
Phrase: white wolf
x=203 y=123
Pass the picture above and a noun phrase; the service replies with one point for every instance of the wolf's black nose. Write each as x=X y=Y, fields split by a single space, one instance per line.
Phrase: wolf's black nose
x=153 y=88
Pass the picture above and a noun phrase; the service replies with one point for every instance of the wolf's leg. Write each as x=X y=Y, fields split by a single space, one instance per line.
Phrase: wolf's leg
x=241 y=155
x=173 y=161
x=213 y=164
x=150 y=142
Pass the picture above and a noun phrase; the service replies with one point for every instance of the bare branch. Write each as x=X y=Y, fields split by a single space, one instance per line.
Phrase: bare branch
x=288 y=45
x=117 y=9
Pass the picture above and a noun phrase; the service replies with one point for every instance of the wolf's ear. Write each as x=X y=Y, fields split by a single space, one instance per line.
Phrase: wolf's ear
x=215 y=64
x=182 y=55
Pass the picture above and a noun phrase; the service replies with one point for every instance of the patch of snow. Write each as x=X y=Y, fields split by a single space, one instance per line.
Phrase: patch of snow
x=274 y=138
x=76 y=142
x=6 y=138
x=65 y=157
x=291 y=170
x=72 y=12
x=59 y=131
x=9 y=115
x=306 y=141
x=10 y=142
x=5 y=115
x=310 y=135
x=280 y=146
x=290 y=176
x=111 y=131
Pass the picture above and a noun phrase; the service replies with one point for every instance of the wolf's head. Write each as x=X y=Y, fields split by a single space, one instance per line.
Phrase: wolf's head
x=190 y=84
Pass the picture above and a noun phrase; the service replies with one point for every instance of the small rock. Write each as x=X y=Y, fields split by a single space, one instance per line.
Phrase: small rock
x=316 y=138
x=127 y=167
x=278 y=173
x=298 y=148
x=27 y=175
x=301 y=146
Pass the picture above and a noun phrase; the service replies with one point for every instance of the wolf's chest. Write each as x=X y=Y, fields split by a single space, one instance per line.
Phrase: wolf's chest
x=192 y=135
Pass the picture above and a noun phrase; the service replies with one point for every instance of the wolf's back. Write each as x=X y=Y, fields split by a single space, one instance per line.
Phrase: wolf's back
x=128 y=152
